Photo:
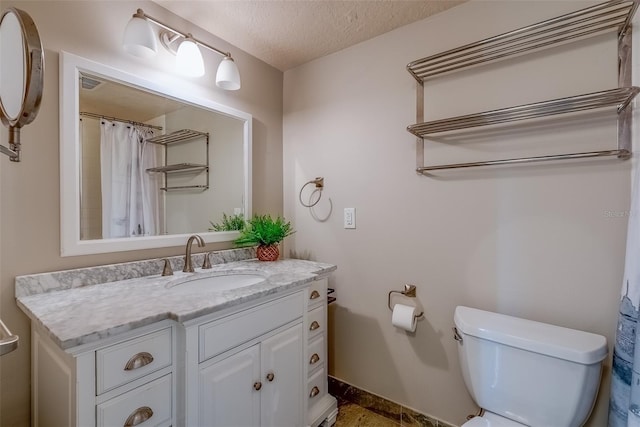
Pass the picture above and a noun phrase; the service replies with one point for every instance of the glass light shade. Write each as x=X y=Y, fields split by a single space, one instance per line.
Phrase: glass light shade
x=228 y=76
x=139 y=38
x=189 y=59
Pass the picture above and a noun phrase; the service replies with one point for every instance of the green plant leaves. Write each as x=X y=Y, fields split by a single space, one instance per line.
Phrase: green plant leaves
x=229 y=223
x=264 y=230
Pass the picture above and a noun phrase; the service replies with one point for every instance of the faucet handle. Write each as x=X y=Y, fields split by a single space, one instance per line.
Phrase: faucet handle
x=207 y=263
x=167 y=270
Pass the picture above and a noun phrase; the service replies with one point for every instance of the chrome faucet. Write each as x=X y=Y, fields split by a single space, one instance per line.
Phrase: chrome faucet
x=167 y=270
x=188 y=267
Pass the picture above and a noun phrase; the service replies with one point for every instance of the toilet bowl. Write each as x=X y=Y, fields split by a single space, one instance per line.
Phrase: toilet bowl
x=526 y=373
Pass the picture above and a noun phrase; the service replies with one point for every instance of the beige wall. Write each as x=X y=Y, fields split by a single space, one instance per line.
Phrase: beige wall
x=532 y=241
x=30 y=190
x=90 y=184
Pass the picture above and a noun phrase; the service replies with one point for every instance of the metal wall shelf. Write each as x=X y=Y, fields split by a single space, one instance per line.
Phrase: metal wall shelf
x=594 y=20
x=184 y=167
x=177 y=136
x=616 y=97
x=185 y=187
x=621 y=154
x=184 y=135
x=608 y=16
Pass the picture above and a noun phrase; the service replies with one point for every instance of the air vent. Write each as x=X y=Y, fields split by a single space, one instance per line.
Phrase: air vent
x=89 y=83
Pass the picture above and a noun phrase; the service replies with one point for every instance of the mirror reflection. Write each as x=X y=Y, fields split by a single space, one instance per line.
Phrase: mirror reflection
x=146 y=193
x=151 y=165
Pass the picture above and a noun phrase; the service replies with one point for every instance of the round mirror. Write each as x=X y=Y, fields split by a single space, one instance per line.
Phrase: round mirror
x=21 y=74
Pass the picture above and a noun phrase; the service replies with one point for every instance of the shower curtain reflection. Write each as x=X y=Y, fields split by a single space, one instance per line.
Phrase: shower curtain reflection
x=130 y=202
x=137 y=198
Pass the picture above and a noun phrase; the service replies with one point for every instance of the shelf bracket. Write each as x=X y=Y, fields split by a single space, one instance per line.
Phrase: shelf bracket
x=419 y=118
x=624 y=80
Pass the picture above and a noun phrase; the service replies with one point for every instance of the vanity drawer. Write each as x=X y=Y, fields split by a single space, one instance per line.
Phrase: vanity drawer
x=318 y=292
x=316 y=353
x=118 y=364
x=316 y=387
x=151 y=401
x=224 y=334
x=317 y=319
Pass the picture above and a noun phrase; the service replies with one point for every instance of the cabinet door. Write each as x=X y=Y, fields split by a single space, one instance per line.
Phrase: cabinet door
x=282 y=394
x=228 y=395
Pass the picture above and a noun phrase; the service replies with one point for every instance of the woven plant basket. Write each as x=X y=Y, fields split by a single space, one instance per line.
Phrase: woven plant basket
x=268 y=253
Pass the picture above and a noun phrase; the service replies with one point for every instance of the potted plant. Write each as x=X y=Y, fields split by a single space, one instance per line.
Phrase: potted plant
x=266 y=232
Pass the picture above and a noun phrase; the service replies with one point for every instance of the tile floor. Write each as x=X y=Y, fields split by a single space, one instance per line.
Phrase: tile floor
x=361 y=408
x=352 y=415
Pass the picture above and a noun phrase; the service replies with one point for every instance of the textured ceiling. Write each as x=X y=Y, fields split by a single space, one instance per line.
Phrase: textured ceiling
x=287 y=33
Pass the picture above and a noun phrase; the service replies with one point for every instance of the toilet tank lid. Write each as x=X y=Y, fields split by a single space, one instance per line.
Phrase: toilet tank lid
x=564 y=343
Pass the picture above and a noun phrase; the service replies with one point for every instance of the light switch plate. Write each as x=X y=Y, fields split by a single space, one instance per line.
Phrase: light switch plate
x=349 y=217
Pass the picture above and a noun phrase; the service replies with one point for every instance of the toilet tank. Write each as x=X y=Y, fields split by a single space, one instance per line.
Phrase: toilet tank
x=536 y=374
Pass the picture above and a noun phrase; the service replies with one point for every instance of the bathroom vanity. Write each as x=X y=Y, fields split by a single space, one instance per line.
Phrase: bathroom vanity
x=243 y=343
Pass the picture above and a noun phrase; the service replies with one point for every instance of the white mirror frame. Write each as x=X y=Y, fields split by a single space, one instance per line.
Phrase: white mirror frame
x=70 y=244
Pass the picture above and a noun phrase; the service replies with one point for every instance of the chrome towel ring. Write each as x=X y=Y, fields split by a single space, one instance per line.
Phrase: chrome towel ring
x=319 y=183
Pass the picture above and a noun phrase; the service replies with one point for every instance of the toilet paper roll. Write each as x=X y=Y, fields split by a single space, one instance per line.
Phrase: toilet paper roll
x=404 y=317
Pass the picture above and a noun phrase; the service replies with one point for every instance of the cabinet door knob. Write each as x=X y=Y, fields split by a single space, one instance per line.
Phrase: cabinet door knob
x=314 y=295
x=270 y=376
x=314 y=325
x=314 y=359
x=257 y=385
x=139 y=416
x=314 y=392
x=138 y=361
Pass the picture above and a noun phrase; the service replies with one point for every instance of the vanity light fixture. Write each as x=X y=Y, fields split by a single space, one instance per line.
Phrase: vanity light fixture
x=139 y=40
x=189 y=58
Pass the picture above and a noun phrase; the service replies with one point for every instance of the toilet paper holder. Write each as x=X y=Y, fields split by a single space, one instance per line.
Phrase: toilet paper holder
x=409 y=291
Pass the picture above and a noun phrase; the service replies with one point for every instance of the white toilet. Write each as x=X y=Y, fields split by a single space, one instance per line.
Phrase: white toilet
x=526 y=373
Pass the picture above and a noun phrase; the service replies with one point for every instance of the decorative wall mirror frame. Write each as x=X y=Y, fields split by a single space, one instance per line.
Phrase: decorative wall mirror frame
x=21 y=75
x=72 y=67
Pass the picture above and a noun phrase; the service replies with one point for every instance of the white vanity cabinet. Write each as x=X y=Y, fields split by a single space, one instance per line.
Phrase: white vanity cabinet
x=249 y=368
x=321 y=405
x=260 y=362
x=263 y=366
x=257 y=386
x=123 y=381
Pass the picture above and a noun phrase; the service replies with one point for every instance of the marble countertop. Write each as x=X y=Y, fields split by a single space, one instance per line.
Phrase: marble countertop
x=87 y=313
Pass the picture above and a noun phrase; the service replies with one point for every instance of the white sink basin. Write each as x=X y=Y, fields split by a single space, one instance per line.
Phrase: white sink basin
x=221 y=282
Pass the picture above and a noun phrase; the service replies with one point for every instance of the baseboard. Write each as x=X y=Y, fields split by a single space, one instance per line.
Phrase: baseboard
x=396 y=412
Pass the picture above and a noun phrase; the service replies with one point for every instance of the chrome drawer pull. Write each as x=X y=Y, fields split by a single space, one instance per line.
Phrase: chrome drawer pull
x=270 y=376
x=314 y=359
x=314 y=295
x=138 y=361
x=139 y=416
x=314 y=392
x=314 y=325
x=257 y=386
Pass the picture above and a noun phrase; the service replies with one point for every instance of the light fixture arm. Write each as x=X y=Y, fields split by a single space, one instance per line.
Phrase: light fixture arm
x=140 y=14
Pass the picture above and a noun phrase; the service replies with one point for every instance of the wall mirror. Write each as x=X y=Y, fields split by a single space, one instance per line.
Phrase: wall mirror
x=21 y=75
x=144 y=165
